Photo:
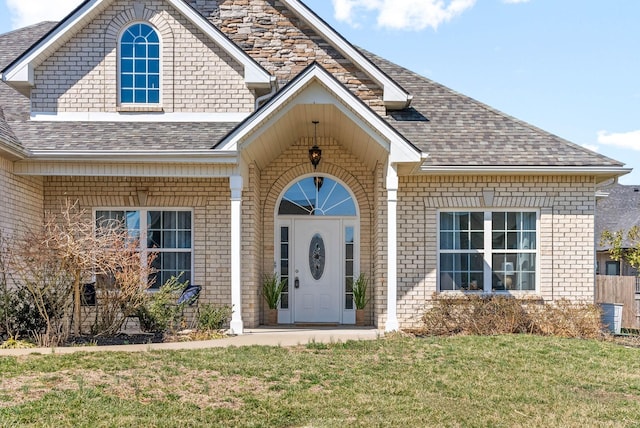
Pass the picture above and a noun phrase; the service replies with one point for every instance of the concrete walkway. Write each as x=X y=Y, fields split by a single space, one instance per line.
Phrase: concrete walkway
x=259 y=336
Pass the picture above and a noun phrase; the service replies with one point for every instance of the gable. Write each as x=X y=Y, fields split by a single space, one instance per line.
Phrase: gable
x=285 y=37
x=94 y=25
x=317 y=93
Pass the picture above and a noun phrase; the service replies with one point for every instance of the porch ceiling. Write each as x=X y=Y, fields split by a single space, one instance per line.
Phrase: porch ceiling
x=298 y=123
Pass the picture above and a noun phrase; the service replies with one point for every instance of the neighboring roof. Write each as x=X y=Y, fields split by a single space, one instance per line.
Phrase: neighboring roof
x=19 y=73
x=620 y=210
x=456 y=130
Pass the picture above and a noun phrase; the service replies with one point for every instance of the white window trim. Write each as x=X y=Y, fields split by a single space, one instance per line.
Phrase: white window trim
x=119 y=71
x=488 y=251
x=144 y=252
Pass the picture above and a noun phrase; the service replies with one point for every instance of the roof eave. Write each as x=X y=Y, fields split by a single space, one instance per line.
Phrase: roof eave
x=207 y=156
x=602 y=172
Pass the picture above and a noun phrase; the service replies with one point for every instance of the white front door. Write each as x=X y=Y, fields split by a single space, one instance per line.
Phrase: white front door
x=317 y=270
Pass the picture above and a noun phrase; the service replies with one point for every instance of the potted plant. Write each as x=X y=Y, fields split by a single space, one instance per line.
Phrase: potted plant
x=360 y=298
x=272 y=287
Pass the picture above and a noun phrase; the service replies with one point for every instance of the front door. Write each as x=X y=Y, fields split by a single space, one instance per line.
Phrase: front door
x=317 y=270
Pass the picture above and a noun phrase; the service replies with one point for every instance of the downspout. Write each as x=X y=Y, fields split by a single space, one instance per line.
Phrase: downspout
x=263 y=99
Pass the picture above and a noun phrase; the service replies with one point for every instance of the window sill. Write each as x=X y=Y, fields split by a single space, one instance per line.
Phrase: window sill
x=140 y=109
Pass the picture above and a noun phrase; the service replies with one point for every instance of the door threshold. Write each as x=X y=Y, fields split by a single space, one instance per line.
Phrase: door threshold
x=315 y=324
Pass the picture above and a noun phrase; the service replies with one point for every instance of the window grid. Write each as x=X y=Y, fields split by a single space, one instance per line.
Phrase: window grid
x=169 y=233
x=492 y=251
x=140 y=65
x=284 y=266
x=349 y=259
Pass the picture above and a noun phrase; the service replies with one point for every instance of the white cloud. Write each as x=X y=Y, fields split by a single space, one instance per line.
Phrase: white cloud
x=402 y=14
x=27 y=12
x=626 y=140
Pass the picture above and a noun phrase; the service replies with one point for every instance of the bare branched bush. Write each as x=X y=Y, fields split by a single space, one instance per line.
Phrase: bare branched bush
x=491 y=314
x=41 y=271
x=122 y=288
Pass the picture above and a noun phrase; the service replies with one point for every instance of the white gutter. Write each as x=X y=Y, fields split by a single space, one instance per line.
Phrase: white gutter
x=506 y=170
x=204 y=156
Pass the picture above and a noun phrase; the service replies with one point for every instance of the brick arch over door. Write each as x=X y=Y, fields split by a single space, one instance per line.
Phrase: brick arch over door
x=140 y=13
x=363 y=200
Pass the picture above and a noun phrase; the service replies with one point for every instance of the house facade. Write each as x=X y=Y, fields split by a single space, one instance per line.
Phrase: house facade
x=238 y=138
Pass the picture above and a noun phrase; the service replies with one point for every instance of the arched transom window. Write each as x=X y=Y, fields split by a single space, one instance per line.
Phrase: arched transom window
x=140 y=65
x=317 y=196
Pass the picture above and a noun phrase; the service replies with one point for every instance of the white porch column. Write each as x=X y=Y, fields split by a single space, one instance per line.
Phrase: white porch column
x=392 y=250
x=237 y=326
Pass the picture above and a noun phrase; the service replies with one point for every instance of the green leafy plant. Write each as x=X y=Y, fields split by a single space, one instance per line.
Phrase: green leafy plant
x=623 y=247
x=360 y=286
x=212 y=317
x=272 y=287
x=161 y=312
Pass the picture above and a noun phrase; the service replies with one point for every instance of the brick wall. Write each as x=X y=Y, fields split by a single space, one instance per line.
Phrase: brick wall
x=196 y=74
x=21 y=207
x=566 y=253
x=209 y=199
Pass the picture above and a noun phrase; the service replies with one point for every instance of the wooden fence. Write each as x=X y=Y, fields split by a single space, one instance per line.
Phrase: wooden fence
x=619 y=289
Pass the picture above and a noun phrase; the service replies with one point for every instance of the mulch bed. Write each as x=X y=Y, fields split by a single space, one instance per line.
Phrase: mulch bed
x=118 y=339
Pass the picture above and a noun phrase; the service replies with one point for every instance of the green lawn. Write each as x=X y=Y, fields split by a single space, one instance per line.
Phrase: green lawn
x=461 y=381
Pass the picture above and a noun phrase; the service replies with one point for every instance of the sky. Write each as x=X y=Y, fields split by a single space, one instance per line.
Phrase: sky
x=570 y=67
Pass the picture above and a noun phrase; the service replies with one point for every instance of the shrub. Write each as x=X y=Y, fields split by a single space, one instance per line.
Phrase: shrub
x=161 y=312
x=211 y=317
x=491 y=314
x=20 y=316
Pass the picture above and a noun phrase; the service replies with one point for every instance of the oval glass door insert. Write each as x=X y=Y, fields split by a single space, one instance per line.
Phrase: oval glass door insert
x=316 y=256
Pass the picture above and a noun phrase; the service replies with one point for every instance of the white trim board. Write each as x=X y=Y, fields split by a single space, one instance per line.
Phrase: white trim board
x=90 y=116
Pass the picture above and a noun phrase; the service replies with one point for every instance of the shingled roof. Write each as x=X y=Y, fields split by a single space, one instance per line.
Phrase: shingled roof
x=456 y=130
x=620 y=210
x=453 y=129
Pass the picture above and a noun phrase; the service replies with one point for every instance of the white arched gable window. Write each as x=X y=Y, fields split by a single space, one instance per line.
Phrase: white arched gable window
x=139 y=65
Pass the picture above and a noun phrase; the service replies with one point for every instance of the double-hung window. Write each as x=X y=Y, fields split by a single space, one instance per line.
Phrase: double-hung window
x=167 y=233
x=139 y=65
x=488 y=251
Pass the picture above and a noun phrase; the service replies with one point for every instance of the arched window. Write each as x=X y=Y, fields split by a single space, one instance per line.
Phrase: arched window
x=139 y=65
x=318 y=196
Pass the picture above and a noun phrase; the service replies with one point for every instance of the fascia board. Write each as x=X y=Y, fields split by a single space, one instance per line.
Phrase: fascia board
x=254 y=74
x=12 y=152
x=346 y=102
x=138 y=156
x=22 y=71
x=524 y=170
x=394 y=95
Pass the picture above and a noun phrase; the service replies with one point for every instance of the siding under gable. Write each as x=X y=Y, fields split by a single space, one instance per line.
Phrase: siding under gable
x=197 y=75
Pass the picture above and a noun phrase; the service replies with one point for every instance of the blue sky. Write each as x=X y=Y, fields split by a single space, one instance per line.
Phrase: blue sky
x=570 y=67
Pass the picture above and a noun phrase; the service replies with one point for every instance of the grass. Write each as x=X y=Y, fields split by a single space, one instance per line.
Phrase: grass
x=494 y=381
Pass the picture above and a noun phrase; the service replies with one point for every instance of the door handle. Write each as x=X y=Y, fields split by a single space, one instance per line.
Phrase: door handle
x=296 y=283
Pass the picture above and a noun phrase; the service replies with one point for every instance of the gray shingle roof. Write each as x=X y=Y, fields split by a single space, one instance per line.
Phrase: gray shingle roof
x=618 y=211
x=453 y=129
x=13 y=105
x=456 y=130
x=119 y=135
